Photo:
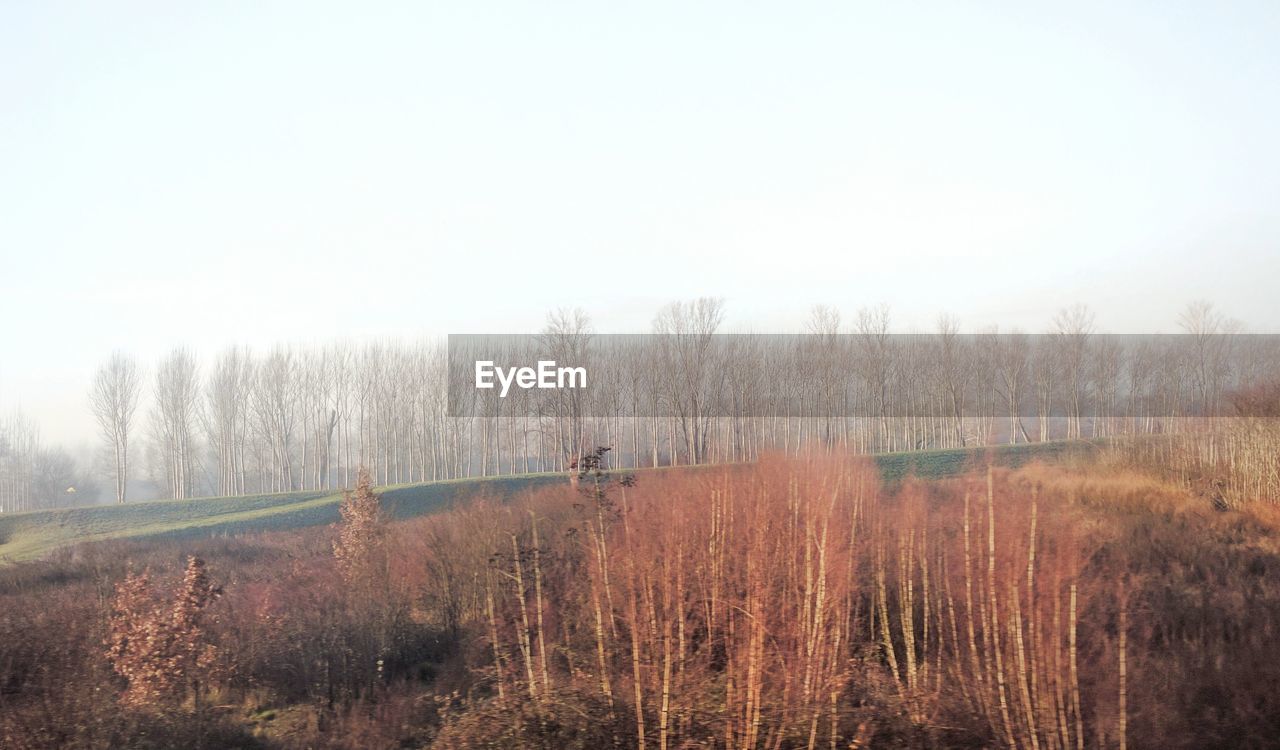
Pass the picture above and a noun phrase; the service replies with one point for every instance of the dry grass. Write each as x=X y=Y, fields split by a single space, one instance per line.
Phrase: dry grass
x=798 y=603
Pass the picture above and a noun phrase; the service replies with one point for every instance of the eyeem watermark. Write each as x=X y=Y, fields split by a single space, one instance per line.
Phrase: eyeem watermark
x=1030 y=377
x=545 y=375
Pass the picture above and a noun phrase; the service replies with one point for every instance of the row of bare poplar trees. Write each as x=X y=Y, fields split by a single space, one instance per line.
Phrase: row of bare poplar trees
x=302 y=419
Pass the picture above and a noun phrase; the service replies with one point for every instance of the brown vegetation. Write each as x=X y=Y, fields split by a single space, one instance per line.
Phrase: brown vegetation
x=1233 y=462
x=797 y=603
x=162 y=650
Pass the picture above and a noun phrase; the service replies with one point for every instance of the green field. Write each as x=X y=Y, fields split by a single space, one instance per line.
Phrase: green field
x=30 y=535
x=26 y=536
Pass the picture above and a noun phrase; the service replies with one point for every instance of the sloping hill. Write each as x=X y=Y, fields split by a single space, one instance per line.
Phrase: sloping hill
x=26 y=536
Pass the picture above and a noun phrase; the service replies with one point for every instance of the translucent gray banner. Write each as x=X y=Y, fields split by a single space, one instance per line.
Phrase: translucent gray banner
x=697 y=376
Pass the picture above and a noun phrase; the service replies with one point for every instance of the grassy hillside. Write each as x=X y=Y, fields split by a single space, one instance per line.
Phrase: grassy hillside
x=26 y=536
x=938 y=464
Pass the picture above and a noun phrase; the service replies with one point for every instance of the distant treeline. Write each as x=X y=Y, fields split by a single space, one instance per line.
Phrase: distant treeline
x=300 y=418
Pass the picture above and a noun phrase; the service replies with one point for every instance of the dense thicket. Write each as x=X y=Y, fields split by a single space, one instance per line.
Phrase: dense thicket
x=796 y=603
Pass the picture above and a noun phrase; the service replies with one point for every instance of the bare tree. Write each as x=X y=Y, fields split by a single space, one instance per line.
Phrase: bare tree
x=275 y=407
x=567 y=337
x=955 y=369
x=1209 y=345
x=686 y=330
x=174 y=420
x=876 y=362
x=1073 y=327
x=225 y=396
x=826 y=362
x=19 y=448
x=1012 y=352
x=114 y=401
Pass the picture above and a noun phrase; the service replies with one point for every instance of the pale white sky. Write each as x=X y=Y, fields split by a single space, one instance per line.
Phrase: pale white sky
x=206 y=174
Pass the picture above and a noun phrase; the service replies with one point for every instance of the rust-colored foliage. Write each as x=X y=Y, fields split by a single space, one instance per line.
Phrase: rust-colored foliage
x=799 y=603
x=161 y=650
x=361 y=544
x=1232 y=462
x=794 y=603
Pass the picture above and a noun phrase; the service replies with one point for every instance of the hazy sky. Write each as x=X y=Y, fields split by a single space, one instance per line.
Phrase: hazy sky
x=210 y=173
